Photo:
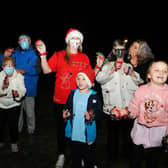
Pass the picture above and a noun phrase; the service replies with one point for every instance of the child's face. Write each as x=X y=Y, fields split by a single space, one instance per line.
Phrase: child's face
x=8 y=64
x=82 y=83
x=8 y=67
x=158 y=73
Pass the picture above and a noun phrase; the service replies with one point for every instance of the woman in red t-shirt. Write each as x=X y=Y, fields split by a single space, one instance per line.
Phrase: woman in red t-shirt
x=66 y=63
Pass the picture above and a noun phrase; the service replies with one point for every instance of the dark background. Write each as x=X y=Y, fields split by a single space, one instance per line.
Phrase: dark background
x=100 y=23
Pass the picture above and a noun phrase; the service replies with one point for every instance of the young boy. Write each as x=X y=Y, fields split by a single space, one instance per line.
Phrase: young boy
x=12 y=89
x=83 y=108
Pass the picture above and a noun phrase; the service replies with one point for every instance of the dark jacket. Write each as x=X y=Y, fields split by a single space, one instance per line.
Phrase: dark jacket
x=94 y=104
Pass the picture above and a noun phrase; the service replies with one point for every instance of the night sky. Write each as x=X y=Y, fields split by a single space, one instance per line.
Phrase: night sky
x=99 y=23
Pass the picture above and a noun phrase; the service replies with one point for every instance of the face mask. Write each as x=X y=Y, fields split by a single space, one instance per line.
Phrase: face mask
x=24 y=45
x=9 y=70
x=119 y=53
x=74 y=44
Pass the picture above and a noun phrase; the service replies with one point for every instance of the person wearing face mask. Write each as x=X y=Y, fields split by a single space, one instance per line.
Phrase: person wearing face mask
x=27 y=63
x=118 y=82
x=7 y=53
x=12 y=90
x=66 y=63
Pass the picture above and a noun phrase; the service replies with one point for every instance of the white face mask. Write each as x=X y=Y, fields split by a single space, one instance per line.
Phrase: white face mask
x=74 y=44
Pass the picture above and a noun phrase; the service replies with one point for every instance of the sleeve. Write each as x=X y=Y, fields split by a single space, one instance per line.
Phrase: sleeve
x=88 y=62
x=5 y=91
x=31 y=66
x=69 y=103
x=105 y=74
x=21 y=87
x=133 y=107
x=99 y=109
x=138 y=79
x=53 y=62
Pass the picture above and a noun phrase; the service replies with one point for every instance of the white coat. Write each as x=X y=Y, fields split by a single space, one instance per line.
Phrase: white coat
x=16 y=82
x=117 y=87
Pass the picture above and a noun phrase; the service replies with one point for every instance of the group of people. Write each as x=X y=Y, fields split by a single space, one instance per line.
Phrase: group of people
x=133 y=86
x=18 y=89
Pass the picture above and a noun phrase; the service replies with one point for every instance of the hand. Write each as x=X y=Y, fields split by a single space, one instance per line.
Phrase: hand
x=15 y=93
x=116 y=112
x=99 y=61
x=87 y=116
x=20 y=71
x=40 y=46
x=66 y=114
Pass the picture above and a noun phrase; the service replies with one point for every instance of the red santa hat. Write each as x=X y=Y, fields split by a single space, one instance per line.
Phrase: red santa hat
x=89 y=75
x=73 y=32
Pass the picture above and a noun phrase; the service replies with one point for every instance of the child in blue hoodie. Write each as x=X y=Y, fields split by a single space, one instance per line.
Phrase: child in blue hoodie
x=83 y=108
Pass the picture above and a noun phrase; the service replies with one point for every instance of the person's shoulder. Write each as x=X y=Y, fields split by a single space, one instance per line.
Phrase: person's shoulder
x=60 y=53
x=82 y=55
x=143 y=88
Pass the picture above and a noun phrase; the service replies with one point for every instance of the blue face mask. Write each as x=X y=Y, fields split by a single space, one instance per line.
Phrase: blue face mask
x=24 y=45
x=9 y=70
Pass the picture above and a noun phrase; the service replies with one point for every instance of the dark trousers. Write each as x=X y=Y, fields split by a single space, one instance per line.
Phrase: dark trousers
x=118 y=138
x=148 y=156
x=10 y=118
x=60 y=127
x=83 y=151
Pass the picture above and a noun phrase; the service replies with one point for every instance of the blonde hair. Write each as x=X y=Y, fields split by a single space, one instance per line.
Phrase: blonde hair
x=67 y=56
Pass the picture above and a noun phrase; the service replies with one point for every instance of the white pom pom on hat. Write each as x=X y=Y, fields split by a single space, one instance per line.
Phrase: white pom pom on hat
x=73 y=33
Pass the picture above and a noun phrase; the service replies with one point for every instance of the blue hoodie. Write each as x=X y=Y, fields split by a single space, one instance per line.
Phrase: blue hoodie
x=28 y=61
x=94 y=103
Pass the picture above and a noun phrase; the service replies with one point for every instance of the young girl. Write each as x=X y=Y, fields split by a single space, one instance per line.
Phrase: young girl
x=149 y=107
x=83 y=108
x=66 y=63
x=12 y=89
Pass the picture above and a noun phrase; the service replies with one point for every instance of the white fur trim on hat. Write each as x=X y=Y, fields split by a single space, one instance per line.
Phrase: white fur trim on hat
x=73 y=33
x=86 y=78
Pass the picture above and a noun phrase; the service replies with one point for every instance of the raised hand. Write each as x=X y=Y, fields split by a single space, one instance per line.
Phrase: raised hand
x=41 y=47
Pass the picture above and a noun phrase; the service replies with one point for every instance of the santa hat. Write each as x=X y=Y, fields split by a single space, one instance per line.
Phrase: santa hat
x=73 y=32
x=89 y=75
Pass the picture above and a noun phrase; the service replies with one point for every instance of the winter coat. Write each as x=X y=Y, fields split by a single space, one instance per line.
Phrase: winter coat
x=117 y=87
x=28 y=61
x=16 y=83
x=95 y=104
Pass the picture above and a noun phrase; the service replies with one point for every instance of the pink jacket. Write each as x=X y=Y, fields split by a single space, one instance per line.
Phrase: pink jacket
x=150 y=105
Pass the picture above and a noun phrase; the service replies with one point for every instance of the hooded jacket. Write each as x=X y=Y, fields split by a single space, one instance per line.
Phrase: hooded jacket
x=95 y=104
x=28 y=61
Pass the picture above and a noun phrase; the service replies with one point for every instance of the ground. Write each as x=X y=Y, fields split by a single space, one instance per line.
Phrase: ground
x=40 y=150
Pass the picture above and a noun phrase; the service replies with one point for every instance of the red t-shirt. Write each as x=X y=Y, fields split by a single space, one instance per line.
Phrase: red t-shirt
x=66 y=73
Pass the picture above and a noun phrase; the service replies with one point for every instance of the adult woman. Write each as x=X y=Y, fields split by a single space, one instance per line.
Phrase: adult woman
x=66 y=64
x=140 y=57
